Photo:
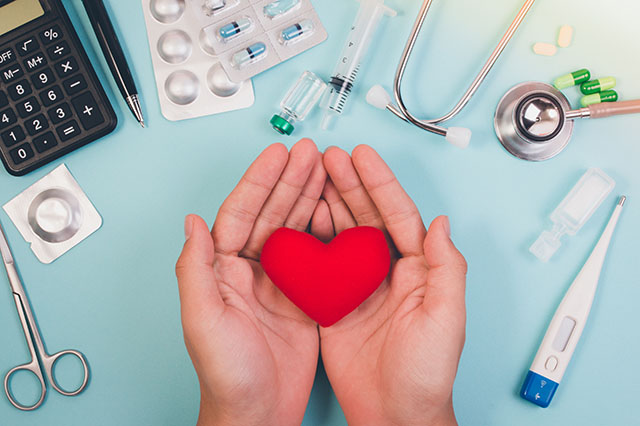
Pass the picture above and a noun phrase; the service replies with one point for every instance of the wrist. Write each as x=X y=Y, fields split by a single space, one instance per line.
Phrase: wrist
x=212 y=414
x=442 y=417
x=446 y=418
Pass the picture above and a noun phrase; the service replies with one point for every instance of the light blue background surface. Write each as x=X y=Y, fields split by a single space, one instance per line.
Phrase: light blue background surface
x=115 y=298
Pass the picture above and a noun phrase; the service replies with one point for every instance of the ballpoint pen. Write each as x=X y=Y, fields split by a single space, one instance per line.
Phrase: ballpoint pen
x=114 y=55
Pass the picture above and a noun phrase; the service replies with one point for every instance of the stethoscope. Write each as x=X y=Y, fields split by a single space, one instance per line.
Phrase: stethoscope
x=458 y=136
x=534 y=121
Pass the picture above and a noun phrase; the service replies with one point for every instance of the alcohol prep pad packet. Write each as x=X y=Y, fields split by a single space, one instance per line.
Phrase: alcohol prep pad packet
x=54 y=215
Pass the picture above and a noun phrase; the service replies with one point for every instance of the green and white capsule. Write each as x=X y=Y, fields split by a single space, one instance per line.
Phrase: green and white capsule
x=599 y=85
x=596 y=98
x=572 y=79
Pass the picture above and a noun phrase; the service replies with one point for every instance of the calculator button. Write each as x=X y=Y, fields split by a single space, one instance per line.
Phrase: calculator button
x=60 y=113
x=7 y=118
x=45 y=142
x=28 y=107
x=13 y=136
x=7 y=56
x=12 y=73
x=27 y=46
x=74 y=85
x=35 y=62
x=4 y=101
x=51 y=96
x=68 y=130
x=43 y=78
x=20 y=90
x=36 y=124
x=50 y=34
x=21 y=153
x=87 y=109
x=66 y=67
x=58 y=50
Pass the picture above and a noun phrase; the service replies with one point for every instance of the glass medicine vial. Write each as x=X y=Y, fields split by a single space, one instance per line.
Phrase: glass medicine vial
x=298 y=102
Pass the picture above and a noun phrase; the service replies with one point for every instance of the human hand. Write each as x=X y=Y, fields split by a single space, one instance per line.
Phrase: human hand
x=255 y=353
x=394 y=359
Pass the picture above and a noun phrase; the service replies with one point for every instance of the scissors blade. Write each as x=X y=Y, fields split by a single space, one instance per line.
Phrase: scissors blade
x=7 y=258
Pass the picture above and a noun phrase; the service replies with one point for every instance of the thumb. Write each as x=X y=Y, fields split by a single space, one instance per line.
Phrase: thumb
x=196 y=279
x=446 y=279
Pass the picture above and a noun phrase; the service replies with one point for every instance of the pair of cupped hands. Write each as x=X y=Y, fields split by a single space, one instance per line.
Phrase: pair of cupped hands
x=392 y=361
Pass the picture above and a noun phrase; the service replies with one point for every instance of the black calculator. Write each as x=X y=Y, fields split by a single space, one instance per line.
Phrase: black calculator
x=51 y=101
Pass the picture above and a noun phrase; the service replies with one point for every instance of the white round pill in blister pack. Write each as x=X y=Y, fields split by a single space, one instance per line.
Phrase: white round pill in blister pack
x=167 y=11
x=191 y=81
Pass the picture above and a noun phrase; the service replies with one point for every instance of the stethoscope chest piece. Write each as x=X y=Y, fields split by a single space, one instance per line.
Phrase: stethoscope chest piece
x=530 y=121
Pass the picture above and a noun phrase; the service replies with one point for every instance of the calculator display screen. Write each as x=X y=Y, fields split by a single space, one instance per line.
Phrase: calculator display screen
x=18 y=12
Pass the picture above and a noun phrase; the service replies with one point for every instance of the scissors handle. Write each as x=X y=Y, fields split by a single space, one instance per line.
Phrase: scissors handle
x=33 y=368
x=48 y=363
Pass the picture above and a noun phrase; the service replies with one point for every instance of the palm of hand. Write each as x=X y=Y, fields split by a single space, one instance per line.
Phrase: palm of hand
x=394 y=359
x=254 y=352
x=264 y=346
x=392 y=349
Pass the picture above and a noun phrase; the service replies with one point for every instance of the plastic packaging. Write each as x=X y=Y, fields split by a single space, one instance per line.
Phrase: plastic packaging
x=574 y=211
x=281 y=28
x=190 y=79
x=298 y=102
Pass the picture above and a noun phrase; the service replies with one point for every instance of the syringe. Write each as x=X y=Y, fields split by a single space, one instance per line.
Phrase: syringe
x=358 y=42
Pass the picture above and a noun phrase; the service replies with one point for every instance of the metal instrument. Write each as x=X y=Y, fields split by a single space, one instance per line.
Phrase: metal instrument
x=41 y=364
x=455 y=135
x=534 y=121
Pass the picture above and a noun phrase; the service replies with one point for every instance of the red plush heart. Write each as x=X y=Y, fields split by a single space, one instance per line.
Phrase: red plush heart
x=327 y=281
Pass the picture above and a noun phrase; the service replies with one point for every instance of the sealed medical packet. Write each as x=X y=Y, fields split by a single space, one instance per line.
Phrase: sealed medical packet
x=54 y=215
x=251 y=36
x=190 y=79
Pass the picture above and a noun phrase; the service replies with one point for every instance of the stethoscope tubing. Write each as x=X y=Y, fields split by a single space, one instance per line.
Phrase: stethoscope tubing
x=400 y=109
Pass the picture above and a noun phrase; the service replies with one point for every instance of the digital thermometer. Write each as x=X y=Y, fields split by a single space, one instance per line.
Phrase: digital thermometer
x=567 y=324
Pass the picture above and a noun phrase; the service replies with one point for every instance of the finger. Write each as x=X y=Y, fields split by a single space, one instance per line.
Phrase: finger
x=400 y=215
x=346 y=180
x=340 y=214
x=447 y=267
x=197 y=284
x=239 y=211
x=283 y=197
x=307 y=202
x=321 y=224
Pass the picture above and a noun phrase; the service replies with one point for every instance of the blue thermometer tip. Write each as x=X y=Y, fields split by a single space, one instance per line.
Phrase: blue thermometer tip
x=538 y=389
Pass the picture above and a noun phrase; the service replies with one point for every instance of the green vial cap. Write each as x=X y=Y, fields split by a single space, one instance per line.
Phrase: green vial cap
x=572 y=79
x=281 y=125
x=596 y=98
x=599 y=85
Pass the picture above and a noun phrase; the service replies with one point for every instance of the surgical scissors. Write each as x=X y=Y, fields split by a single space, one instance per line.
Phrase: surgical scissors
x=455 y=135
x=41 y=363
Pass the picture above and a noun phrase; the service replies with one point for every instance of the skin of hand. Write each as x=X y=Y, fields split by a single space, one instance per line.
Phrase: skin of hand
x=255 y=353
x=394 y=359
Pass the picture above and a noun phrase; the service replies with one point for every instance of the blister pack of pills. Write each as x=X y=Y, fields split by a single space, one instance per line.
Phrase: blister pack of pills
x=190 y=78
x=251 y=36
x=54 y=215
